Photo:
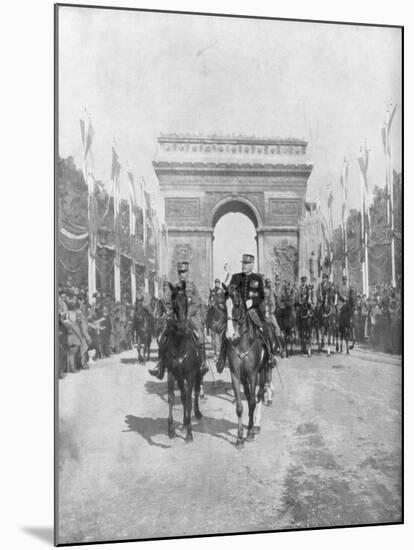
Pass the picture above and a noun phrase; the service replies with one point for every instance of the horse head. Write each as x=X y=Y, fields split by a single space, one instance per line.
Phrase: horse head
x=179 y=301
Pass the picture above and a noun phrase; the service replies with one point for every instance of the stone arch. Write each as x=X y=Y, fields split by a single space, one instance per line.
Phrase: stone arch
x=236 y=203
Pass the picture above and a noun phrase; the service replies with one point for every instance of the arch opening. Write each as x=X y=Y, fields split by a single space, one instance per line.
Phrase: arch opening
x=234 y=233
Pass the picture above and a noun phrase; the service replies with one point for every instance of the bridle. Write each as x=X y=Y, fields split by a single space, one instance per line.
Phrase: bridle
x=243 y=318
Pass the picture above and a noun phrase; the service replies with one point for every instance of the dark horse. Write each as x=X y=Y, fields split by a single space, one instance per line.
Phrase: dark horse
x=159 y=318
x=305 y=322
x=346 y=325
x=327 y=320
x=248 y=359
x=183 y=360
x=285 y=316
x=142 y=331
x=216 y=322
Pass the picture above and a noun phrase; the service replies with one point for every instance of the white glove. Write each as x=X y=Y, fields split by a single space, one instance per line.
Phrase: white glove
x=249 y=303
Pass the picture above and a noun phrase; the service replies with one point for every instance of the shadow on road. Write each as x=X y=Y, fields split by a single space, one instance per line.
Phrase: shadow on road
x=220 y=389
x=129 y=360
x=148 y=428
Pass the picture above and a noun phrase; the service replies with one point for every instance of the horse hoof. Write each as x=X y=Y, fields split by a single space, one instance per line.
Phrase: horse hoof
x=256 y=429
x=269 y=403
x=250 y=436
x=239 y=443
x=198 y=415
x=171 y=434
x=189 y=438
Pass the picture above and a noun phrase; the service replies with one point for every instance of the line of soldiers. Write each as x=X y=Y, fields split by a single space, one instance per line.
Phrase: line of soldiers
x=87 y=332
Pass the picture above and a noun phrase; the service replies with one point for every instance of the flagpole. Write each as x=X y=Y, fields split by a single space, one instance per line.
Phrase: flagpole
x=117 y=262
x=363 y=165
x=391 y=201
x=344 y=182
x=132 y=267
x=116 y=169
x=330 y=200
x=363 y=265
x=144 y=220
x=87 y=136
x=132 y=230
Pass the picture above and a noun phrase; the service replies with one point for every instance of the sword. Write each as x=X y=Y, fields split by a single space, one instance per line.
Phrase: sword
x=280 y=378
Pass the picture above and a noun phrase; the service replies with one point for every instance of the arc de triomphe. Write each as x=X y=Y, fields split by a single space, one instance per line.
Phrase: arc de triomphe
x=203 y=178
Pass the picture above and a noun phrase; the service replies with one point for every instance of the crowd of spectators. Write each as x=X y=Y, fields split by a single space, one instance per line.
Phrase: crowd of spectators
x=378 y=319
x=89 y=332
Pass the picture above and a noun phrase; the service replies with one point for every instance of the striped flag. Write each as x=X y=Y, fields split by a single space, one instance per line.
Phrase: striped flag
x=344 y=183
x=344 y=212
x=115 y=177
x=132 y=201
x=363 y=166
x=87 y=134
x=385 y=132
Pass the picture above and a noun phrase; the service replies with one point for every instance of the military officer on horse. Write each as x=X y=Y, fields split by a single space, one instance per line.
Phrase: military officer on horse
x=323 y=287
x=194 y=316
x=251 y=289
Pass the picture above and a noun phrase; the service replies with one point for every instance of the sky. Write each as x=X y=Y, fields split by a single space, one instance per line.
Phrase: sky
x=237 y=230
x=140 y=74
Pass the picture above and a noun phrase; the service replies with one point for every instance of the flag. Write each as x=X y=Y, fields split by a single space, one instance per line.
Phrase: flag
x=87 y=133
x=363 y=166
x=330 y=195
x=344 y=182
x=385 y=132
x=89 y=137
x=115 y=176
x=132 y=202
x=115 y=173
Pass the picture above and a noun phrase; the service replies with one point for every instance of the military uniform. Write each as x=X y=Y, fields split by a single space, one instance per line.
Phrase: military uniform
x=323 y=288
x=194 y=316
x=345 y=294
x=194 y=307
x=250 y=286
x=303 y=292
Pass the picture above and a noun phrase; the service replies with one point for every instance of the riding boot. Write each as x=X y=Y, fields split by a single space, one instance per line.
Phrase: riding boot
x=204 y=367
x=268 y=343
x=159 y=370
x=221 y=361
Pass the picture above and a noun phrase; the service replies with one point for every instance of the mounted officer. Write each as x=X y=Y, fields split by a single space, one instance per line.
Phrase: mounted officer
x=194 y=316
x=269 y=308
x=323 y=287
x=217 y=294
x=250 y=286
x=303 y=291
x=345 y=294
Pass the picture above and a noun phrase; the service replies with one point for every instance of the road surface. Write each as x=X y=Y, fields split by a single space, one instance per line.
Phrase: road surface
x=329 y=452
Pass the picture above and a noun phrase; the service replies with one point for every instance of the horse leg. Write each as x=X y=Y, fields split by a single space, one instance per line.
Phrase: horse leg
x=239 y=409
x=197 y=386
x=347 y=341
x=263 y=384
x=188 y=384
x=171 y=399
x=328 y=343
x=252 y=406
